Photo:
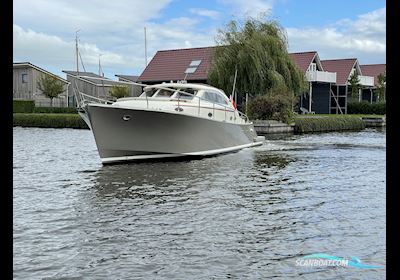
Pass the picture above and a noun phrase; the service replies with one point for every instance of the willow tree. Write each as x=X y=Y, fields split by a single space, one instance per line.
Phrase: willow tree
x=257 y=49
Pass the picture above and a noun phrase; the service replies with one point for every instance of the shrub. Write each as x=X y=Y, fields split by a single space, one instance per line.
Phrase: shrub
x=328 y=123
x=271 y=107
x=55 y=110
x=364 y=107
x=49 y=120
x=23 y=106
x=119 y=91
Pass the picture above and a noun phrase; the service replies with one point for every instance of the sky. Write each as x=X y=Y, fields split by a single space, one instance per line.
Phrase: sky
x=44 y=30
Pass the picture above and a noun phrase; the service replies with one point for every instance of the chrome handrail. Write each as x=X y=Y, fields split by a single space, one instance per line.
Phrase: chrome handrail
x=242 y=115
x=83 y=99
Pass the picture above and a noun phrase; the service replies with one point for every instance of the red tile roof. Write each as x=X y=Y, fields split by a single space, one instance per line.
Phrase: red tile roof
x=342 y=67
x=171 y=65
x=373 y=70
x=303 y=59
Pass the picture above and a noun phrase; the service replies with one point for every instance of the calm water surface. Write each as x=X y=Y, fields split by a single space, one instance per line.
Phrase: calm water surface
x=246 y=215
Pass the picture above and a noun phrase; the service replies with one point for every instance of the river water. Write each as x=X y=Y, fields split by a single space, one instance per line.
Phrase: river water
x=246 y=215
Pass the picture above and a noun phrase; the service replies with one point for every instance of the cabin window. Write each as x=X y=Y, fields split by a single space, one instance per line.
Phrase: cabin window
x=24 y=78
x=214 y=98
x=185 y=95
x=148 y=92
x=163 y=93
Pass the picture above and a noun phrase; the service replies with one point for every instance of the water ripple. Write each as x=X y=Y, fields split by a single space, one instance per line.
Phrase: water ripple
x=249 y=214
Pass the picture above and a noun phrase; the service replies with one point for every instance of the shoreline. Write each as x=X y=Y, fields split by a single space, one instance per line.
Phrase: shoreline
x=301 y=124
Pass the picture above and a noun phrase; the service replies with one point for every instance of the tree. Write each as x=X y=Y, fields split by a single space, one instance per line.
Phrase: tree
x=119 y=91
x=257 y=49
x=50 y=86
x=381 y=87
x=354 y=82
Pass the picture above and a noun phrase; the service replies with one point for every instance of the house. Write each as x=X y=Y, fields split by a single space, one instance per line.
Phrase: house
x=190 y=65
x=328 y=79
x=25 y=85
x=127 y=78
x=137 y=89
x=372 y=70
x=341 y=91
x=95 y=85
x=317 y=98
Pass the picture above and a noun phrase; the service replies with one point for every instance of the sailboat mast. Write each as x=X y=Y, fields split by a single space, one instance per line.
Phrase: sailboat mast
x=77 y=51
x=145 y=47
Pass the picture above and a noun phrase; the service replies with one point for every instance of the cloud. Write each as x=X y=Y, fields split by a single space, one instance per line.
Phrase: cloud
x=89 y=15
x=44 y=31
x=178 y=33
x=52 y=51
x=205 y=13
x=248 y=8
x=364 y=38
x=122 y=56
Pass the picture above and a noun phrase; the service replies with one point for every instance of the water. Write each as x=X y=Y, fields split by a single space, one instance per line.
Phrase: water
x=246 y=215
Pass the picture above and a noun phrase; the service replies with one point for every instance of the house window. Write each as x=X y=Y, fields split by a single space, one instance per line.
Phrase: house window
x=24 y=78
x=313 y=67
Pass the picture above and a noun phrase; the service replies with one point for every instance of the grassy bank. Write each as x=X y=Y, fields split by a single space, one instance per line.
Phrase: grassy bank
x=303 y=124
x=327 y=123
x=48 y=120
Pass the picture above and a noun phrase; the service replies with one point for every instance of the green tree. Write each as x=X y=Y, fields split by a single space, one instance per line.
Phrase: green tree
x=354 y=82
x=271 y=107
x=257 y=49
x=381 y=87
x=50 y=86
x=119 y=91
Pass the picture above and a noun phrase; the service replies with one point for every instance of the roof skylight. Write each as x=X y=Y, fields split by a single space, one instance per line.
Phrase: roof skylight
x=195 y=63
x=192 y=66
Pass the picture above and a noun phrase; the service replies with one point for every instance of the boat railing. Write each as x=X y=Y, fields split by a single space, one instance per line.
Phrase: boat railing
x=241 y=115
x=82 y=99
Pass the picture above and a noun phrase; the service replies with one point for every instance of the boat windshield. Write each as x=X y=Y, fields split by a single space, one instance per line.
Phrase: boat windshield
x=184 y=95
x=181 y=93
x=148 y=92
x=163 y=93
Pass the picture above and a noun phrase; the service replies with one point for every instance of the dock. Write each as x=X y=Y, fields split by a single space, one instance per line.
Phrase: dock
x=263 y=127
x=374 y=121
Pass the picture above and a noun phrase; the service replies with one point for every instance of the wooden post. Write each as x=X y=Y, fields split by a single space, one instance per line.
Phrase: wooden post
x=310 y=98
x=370 y=90
x=247 y=98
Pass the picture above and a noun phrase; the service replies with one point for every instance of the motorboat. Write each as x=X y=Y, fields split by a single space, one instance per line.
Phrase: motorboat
x=167 y=120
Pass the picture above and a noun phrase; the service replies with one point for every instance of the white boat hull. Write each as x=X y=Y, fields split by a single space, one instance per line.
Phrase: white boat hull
x=123 y=134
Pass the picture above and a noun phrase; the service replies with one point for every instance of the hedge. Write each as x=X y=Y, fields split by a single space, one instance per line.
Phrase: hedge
x=49 y=120
x=328 y=123
x=23 y=106
x=271 y=107
x=55 y=110
x=364 y=107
